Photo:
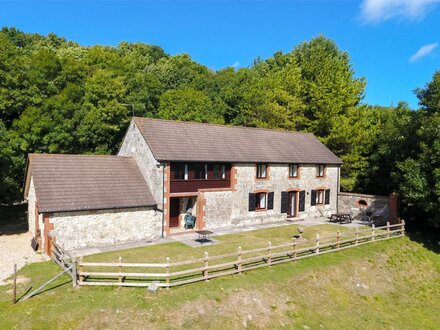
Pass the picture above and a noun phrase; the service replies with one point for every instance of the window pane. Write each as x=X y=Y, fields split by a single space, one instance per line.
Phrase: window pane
x=320 y=197
x=216 y=171
x=199 y=171
x=293 y=170
x=262 y=200
x=261 y=170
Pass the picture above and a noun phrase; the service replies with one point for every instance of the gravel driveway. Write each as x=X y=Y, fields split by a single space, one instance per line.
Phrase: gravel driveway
x=16 y=249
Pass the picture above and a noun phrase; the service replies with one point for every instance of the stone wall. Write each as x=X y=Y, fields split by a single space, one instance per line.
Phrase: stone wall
x=31 y=207
x=83 y=229
x=32 y=199
x=359 y=204
x=134 y=145
x=230 y=208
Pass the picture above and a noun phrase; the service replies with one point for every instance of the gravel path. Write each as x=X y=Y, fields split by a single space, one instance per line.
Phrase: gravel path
x=16 y=249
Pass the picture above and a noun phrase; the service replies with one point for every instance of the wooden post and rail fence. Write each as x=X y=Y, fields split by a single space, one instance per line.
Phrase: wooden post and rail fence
x=169 y=274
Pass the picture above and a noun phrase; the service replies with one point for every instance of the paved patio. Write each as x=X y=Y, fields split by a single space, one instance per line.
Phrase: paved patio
x=189 y=238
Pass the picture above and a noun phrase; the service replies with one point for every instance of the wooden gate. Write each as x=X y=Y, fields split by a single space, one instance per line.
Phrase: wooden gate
x=65 y=260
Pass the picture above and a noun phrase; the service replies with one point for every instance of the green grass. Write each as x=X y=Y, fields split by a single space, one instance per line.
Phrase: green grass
x=391 y=284
x=228 y=243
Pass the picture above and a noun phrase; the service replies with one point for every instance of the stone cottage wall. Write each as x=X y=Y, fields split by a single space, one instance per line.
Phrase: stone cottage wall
x=83 y=229
x=32 y=199
x=230 y=208
x=134 y=145
x=31 y=207
x=354 y=204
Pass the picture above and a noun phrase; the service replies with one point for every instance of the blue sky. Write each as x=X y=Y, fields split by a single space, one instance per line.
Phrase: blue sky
x=392 y=43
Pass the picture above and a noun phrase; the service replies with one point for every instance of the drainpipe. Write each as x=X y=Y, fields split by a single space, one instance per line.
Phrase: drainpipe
x=339 y=188
x=163 y=199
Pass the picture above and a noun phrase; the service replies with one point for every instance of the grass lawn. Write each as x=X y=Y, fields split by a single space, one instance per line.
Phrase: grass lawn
x=228 y=243
x=391 y=284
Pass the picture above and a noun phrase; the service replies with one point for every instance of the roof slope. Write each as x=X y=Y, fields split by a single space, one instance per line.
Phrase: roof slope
x=187 y=141
x=80 y=182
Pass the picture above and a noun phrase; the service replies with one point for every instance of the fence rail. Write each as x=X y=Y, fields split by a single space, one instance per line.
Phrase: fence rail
x=209 y=267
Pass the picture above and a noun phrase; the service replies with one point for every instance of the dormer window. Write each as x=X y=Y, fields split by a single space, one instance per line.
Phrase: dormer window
x=320 y=171
x=262 y=171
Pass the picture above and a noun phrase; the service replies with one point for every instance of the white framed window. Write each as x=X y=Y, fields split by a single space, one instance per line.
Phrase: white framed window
x=293 y=170
x=261 y=201
x=261 y=171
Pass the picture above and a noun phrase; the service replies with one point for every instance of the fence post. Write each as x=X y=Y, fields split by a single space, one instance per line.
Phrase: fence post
x=81 y=270
x=168 y=272
x=403 y=227
x=373 y=232
x=317 y=243
x=269 y=252
x=356 y=242
x=388 y=229
x=205 y=266
x=14 y=289
x=338 y=239
x=120 y=269
x=294 y=248
x=74 y=273
x=239 y=259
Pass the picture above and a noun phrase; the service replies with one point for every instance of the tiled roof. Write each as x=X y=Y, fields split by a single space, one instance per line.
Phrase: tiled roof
x=80 y=182
x=188 y=141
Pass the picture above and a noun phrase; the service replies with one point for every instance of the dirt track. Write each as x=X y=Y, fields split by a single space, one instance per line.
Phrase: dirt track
x=15 y=249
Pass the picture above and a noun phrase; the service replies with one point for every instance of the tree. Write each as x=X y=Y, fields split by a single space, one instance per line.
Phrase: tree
x=329 y=87
x=188 y=104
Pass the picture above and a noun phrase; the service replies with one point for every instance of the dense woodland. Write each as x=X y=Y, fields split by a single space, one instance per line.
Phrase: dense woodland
x=59 y=97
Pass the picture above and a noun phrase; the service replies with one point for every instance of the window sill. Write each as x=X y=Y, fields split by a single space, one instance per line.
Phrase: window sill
x=260 y=210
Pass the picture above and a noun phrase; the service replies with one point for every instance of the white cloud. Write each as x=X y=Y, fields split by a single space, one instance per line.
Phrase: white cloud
x=374 y=11
x=236 y=64
x=423 y=51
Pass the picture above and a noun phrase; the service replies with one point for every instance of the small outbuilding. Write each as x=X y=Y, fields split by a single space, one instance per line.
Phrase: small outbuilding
x=88 y=201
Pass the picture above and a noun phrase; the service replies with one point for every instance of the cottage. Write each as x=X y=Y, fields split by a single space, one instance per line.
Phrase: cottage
x=225 y=176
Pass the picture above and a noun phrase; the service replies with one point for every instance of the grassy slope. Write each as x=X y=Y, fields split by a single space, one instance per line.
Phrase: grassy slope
x=392 y=284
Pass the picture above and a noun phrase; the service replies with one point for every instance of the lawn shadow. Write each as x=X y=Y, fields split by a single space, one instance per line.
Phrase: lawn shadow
x=428 y=237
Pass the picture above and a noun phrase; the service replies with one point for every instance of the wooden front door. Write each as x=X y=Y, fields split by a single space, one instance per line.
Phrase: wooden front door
x=174 y=212
x=293 y=204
